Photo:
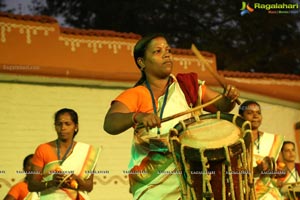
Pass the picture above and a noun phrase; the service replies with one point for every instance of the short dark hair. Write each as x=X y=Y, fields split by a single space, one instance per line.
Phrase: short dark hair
x=141 y=46
x=26 y=159
x=139 y=52
x=72 y=113
x=287 y=142
x=245 y=105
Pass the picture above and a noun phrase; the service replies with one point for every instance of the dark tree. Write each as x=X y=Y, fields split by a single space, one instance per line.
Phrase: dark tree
x=258 y=41
x=4 y=9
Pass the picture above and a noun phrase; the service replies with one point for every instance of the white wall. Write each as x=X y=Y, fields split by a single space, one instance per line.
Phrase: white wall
x=26 y=120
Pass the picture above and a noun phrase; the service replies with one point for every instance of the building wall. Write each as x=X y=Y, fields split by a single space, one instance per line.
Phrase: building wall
x=40 y=48
x=26 y=120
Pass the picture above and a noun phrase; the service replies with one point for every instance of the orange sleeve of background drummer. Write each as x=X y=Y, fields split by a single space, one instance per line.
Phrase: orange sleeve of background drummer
x=136 y=99
x=43 y=155
x=19 y=190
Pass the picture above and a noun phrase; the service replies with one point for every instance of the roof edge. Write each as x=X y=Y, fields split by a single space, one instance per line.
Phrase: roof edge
x=257 y=75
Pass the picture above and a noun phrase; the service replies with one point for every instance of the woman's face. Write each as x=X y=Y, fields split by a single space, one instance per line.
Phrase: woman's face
x=65 y=127
x=253 y=114
x=289 y=153
x=158 y=59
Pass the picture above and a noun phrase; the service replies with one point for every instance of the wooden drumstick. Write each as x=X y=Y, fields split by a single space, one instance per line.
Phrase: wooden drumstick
x=220 y=80
x=139 y=126
x=192 y=109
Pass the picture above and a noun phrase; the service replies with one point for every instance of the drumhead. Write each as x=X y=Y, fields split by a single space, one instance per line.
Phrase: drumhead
x=210 y=133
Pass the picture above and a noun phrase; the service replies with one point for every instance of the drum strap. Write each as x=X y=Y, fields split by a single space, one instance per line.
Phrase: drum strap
x=189 y=85
x=153 y=100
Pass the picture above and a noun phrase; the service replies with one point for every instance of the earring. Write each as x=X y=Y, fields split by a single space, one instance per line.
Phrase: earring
x=141 y=63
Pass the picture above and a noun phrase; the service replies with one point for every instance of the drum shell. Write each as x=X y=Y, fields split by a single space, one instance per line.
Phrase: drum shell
x=294 y=191
x=215 y=158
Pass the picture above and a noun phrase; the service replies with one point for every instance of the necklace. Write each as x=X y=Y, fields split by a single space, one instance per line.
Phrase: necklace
x=58 y=151
x=257 y=141
x=153 y=100
x=294 y=175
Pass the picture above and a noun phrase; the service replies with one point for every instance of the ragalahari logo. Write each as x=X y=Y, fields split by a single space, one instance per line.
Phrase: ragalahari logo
x=271 y=8
x=246 y=9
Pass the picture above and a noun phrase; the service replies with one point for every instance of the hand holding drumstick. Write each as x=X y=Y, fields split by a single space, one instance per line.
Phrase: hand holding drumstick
x=197 y=108
x=230 y=91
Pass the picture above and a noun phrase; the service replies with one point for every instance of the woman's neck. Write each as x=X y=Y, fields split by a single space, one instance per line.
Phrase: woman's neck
x=158 y=82
x=65 y=143
x=290 y=165
x=256 y=134
x=158 y=86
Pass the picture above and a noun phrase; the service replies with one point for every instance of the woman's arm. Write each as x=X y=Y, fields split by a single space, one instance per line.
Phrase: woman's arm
x=82 y=184
x=225 y=104
x=35 y=183
x=9 y=197
x=118 y=119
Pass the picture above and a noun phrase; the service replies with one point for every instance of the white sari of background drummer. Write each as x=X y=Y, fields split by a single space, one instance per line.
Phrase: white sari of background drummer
x=290 y=184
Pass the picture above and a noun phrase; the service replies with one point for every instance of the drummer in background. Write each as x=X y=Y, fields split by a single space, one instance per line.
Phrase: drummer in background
x=158 y=94
x=266 y=149
x=20 y=190
x=288 y=156
x=297 y=137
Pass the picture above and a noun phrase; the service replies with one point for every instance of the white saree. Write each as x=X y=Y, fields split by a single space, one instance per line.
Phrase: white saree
x=81 y=162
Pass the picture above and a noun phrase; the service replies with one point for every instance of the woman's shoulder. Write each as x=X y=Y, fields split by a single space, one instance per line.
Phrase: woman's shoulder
x=137 y=89
x=46 y=146
x=276 y=139
x=268 y=134
x=264 y=133
x=19 y=184
x=134 y=91
x=86 y=145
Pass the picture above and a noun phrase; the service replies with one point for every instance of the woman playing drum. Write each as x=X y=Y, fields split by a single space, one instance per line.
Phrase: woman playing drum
x=266 y=151
x=156 y=95
x=292 y=178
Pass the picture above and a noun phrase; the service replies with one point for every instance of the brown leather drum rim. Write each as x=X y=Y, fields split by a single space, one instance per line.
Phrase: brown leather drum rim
x=217 y=153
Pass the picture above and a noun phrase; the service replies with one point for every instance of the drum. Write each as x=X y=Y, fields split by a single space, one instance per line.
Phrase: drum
x=294 y=191
x=214 y=153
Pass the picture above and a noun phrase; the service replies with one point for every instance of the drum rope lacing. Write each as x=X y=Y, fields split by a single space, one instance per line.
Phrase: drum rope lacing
x=244 y=164
x=228 y=163
x=185 y=195
x=187 y=168
x=292 y=193
x=206 y=177
x=246 y=167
